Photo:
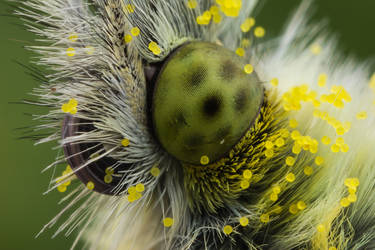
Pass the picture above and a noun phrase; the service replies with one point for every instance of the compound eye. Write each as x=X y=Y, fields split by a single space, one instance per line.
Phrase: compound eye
x=203 y=102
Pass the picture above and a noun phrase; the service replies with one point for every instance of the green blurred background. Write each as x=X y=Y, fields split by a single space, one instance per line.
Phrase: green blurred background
x=24 y=210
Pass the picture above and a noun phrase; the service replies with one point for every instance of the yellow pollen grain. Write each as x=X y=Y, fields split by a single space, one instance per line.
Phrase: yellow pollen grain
x=109 y=171
x=290 y=161
x=204 y=160
x=132 y=190
x=290 y=177
x=241 y=52
x=70 y=52
x=293 y=123
x=227 y=229
x=168 y=222
x=340 y=141
x=344 y=148
x=259 y=31
x=361 y=115
x=301 y=205
x=140 y=187
x=274 y=82
x=154 y=48
x=268 y=153
x=321 y=228
x=245 y=184
x=322 y=79
x=332 y=248
x=192 y=4
x=90 y=185
x=108 y=178
x=295 y=134
x=244 y=221
x=61 y=188
x=344 y=202
x=130 y=8
x=73 y=37
x=247 y=174
x=247 y=24
x=315 y=49
x=128 y=38
x=273 y=197
x=155 y=171
x=217 y=18
x=245 y=43
x=248 y=68
x=89 y=50
x=352 y=198
x=308 y=170
x=284 y=133
x=293 y=209
x=326 y=140
x=319 y=160
x=135 y=31
x=280 y=142
x=265 y=218
x=125 y=142
x=268 y=144
x=352 y=190
x=335 y=148
x=276 y=189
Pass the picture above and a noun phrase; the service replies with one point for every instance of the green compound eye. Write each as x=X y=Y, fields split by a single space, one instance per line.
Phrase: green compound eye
x=204 y=102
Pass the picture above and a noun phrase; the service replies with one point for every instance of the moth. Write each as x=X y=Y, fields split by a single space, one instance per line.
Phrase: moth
x=182 y=127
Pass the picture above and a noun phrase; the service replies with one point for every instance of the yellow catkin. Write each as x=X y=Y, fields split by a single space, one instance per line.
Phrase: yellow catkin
x=268 y=153
x=227 y=229
x=276 y=189
x=168 y=222
x=244 y=221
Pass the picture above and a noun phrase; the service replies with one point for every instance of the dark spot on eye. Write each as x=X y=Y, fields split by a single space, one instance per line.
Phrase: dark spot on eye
x=228 y=70
x=211 y=106
x=197 y=75
x=223 y=132
x=240 y=100
x=194 y=140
